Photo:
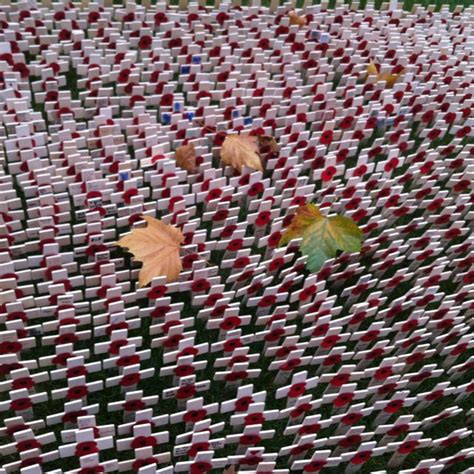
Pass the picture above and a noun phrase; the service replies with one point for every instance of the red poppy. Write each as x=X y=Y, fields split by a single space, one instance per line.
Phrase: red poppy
x=166 y=100
x=383 y=373
x=145 y=42
x=346 y=123
x=10 y=347
x=86 y=448
x=184 y=370
x=350 y=440
x=186 y=391
x=339 y=380
x=249 y=439
x=31 y=461
x=130 y=379
x=326 y=137
x=75 y=393
x=143 y=441
x=157 y=292
x=351 y=418
x=343 y=399
x=139 y=463
x=408 y=446
x=302 y=448
x=267 y=301
x=200 y=467
x=315 y=466
x=263 y=219
x=274 y=335
x=220 y=215
x=290 y=364
x=296 y=390
x=20 y=404
x=230 y=323
x=415 y=358
x=198 y=447
x=23 y=382
x=232 y=344
x=393 y=406
x=234 y=376
x=309 y=429
x=115 y=346
x=254 y=419
x=27 y=444
x=242 y=404
x=300 y=410
x=193 y=416
x=133 y=405
x=361 y=457
x=274 y=239
x=76 y=371
x=72 y=416
x=128 y=360
x=91 y=470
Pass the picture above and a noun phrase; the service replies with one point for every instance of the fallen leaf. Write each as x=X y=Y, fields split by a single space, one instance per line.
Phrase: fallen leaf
x=390 y=79
x=229 y=470
x=241 y=150
x=322 y=236
x=157 y=247
x=186 y=158
x=267 y=144
x=296 y=19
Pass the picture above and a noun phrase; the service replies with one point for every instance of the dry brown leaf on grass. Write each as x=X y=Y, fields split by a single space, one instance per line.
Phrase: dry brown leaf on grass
x=157 y=247
x=186 y=158
x=241 y=150
x=229 y=470
x=296 y=19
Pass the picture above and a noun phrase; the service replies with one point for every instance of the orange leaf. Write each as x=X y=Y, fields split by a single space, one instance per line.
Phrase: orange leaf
x=157 y=247
x=390 y=79
x=296 y=19
x=186 y=158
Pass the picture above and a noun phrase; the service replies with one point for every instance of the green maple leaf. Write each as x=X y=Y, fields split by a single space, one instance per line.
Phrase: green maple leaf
x=322 y=236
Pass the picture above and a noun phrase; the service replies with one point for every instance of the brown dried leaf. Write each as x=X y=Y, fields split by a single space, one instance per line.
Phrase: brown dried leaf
x=157 y=246
x=241 y=150
x=229 y=470
x=186 y=158
x=296 y=19
x=267 y=144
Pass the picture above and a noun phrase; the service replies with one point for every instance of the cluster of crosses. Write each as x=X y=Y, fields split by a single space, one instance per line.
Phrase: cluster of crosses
x=247 y=359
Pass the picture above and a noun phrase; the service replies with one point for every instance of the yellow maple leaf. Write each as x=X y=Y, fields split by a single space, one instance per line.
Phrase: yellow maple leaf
x=389 y=78
x=322 y=236
x=157 y=247
x=241 y=150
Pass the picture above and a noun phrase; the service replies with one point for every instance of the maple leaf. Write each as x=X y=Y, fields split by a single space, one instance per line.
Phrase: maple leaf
x=389 y=78
x=157 y=247
x=296 y=19
x=322 y=236
x=186 y=158
x=241 y=150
